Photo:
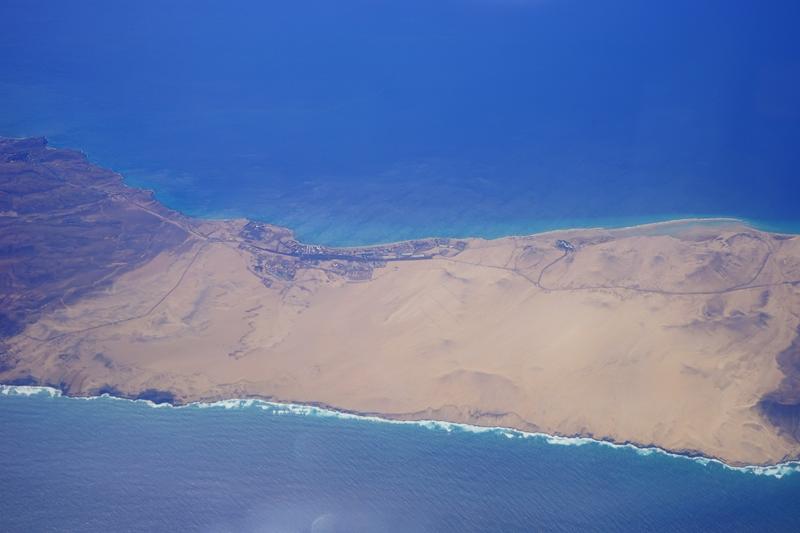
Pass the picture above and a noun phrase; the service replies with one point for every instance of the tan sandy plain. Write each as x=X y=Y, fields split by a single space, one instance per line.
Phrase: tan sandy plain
x=662 y=334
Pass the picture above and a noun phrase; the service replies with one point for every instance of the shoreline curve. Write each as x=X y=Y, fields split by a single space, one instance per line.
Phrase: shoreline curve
x=777 y=470
x=656 y=221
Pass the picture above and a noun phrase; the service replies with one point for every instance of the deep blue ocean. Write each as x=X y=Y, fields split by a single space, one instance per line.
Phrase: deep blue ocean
x=360 y=121
x=116 y=465
x=363 y=121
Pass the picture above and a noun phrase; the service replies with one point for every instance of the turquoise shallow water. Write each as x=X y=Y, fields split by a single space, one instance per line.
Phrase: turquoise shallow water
x=359 y=122
x=106 y=464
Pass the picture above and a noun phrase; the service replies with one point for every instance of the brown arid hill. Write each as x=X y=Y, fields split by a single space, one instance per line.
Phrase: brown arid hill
x=682 y=335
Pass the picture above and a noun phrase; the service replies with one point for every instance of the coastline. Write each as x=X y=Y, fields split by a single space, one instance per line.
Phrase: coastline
x=777 y=470
x=602 y=223
x=233 y=260
x=687 y=220
x=646 y=223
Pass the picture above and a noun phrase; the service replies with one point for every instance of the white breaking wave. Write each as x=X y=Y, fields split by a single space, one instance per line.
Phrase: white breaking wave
x=275 y=408
x=28 y=390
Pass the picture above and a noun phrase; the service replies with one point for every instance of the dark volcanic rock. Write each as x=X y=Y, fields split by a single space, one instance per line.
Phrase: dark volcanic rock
x=66 y=228
x=9 y=326
x=782 y=407
x=156 y=396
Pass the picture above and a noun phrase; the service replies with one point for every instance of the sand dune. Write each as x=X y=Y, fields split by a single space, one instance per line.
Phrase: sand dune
x=679 y=335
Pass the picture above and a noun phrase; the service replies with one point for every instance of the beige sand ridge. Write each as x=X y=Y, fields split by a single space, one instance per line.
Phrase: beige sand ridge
x=677 y=338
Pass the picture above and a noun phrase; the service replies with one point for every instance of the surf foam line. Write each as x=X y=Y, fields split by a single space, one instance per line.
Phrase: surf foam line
x=778 y=470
